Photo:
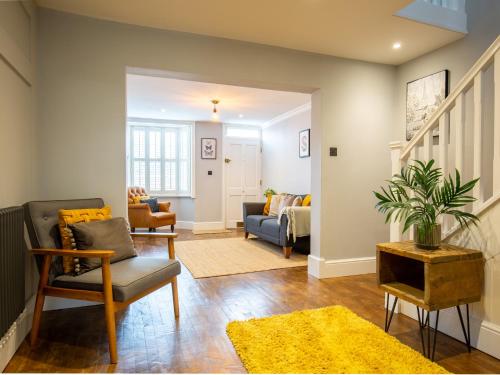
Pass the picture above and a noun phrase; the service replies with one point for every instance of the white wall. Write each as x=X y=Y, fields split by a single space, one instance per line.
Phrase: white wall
x=208 y=201
x=82 y=76
x=282 y=168
x=17 y=105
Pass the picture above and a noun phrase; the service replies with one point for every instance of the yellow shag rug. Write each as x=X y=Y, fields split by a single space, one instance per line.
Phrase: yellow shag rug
x=328 y=340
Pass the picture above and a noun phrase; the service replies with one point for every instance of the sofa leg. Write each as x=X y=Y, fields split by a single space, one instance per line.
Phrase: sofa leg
x=287 y=251
x=172 y=228
x=246 y=235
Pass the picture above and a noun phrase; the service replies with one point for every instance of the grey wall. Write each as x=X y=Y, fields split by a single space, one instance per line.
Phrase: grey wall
x=208 y=201
x=483 y=19
x=82 y=115
x=282 y=169
x=17 y=108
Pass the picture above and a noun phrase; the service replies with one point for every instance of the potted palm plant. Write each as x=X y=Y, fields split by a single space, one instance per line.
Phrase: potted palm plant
x=419 y=196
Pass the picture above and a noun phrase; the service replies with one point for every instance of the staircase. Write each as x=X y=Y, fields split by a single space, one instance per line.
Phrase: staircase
x=471 y=104
x=469 y=141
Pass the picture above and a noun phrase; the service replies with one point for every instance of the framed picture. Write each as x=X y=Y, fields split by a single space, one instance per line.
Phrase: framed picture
x=209 y=148
x=304 y=145
x=423 y=96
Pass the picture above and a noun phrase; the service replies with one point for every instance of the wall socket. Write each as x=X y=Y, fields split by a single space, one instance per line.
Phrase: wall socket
x=209 y=173
x=333 y=151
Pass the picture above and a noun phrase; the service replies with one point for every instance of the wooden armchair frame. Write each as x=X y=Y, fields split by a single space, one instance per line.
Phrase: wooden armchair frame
x=106 y=296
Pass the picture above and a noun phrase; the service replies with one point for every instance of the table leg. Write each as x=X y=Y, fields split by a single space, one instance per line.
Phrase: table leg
x=388 y=322
x=466 y=332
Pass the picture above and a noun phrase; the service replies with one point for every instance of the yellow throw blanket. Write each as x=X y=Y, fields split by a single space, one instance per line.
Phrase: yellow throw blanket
x=299 y=221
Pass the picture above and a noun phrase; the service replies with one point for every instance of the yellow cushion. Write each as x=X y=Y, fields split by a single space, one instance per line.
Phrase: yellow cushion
x=138 y=198
x=268 y=204
x=307 y=200
x=67 y=217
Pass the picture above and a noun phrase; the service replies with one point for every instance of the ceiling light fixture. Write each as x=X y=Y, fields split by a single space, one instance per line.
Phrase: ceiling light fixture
x=163 y=110
x=396 y=45
x=215 y=102
x=240 y=116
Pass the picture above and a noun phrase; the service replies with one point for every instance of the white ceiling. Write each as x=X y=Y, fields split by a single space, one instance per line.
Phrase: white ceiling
x=174 y=99
x=358 y=29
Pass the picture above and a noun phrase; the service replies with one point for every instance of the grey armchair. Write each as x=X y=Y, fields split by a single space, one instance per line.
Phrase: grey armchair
x=116 y=285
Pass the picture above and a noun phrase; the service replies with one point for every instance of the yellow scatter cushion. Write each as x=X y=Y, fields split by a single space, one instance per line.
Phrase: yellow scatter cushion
x=268 y=204
x=67 y=217
x=307 y=200
x=138 y=198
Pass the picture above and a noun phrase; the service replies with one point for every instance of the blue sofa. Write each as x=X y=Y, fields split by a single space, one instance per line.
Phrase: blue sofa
x=267 y=228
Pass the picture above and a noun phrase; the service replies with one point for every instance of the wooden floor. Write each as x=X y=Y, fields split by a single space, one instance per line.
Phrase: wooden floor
x=150 y=340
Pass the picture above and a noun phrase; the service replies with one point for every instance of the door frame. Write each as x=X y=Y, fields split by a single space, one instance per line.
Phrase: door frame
x=224 y=148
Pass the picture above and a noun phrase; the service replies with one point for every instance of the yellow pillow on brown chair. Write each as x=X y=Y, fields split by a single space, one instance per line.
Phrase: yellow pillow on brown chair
x=68 y=217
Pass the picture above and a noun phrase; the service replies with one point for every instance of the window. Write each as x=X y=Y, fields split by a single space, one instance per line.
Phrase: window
x=160 y=158
x=243 y=131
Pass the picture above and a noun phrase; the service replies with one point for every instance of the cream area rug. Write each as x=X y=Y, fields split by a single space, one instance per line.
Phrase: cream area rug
x=230 y=256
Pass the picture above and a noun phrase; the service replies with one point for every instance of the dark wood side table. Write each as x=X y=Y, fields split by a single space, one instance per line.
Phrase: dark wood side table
x=432 y=280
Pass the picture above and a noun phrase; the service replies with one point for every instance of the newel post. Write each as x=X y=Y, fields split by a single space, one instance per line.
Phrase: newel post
x=395 y=147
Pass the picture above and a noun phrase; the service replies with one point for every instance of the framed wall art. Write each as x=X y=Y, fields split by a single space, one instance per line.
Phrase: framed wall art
x=423 y=96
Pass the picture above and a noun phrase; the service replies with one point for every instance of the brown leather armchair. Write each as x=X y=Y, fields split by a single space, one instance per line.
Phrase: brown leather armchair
x=140 y=215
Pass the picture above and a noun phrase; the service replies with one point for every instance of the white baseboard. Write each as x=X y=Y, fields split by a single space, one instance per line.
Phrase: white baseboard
x=184 y=224
x=485 y=335
x=204 y=226
x=322 y=268
x=11 y=341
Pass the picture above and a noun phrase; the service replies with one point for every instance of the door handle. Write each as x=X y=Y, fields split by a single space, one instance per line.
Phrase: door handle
x=227 y=160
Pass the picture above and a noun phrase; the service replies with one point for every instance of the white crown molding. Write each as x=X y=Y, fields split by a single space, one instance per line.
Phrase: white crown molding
x=286 y=115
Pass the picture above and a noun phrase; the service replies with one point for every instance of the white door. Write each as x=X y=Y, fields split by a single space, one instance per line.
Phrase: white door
x=242 y=161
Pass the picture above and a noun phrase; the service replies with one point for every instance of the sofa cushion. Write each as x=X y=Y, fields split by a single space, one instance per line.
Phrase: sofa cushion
x=129 y=277
x=270 y=227
x=110 y=234
x=255 y=221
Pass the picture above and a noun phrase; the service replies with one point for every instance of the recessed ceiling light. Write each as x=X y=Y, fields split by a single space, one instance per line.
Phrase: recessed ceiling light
x=163 y=110
x=396 y=45
x=240 y=115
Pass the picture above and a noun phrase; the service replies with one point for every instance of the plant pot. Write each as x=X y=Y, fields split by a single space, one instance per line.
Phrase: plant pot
x=428 y=240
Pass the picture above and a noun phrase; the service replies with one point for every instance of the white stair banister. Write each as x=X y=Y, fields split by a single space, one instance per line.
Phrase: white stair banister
x=444 y=139
x=428 y=145
x=496 y=129
x=459 y=133
x=478 y=138
x=395 y=147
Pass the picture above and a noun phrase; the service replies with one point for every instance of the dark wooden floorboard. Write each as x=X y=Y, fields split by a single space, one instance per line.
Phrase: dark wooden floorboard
x=150 y=340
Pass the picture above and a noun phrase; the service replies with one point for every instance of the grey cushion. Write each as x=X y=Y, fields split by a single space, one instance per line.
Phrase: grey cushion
x=270 y=227
x=129 y=277
x=256 y=220
x=42 y=223
x=112 y=234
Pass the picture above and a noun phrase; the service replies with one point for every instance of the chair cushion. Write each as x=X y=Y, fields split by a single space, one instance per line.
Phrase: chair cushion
x=152 y=202
x=72 y=216
x=256 y=220
x=110 y=234
x=270 y=227
x=129 y=277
